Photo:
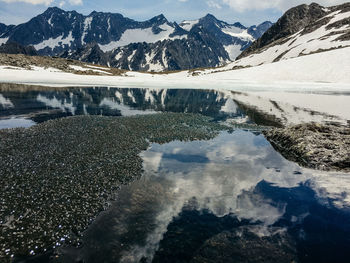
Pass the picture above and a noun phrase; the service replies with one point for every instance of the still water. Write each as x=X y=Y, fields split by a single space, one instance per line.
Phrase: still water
x=223 y=200
x=229 y=199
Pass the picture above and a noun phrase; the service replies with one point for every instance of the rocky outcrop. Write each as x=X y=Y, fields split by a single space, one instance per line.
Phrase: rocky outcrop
x=313 y=145
x=291 y=22
x=15 y=48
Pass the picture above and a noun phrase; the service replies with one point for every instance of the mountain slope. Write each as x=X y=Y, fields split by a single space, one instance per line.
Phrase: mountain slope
x=113 y=40
x=302 y=30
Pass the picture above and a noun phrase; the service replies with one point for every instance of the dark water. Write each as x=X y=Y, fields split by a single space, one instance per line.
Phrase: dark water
x=230 y=199
x=23 y=108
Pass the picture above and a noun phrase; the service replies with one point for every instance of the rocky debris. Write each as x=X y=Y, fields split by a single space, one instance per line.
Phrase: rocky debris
x=245 y=245
x=27 y=62
x=57 y=176
x=313 y=145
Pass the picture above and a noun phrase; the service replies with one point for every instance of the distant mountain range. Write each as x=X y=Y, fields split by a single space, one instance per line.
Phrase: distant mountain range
x=114 y=40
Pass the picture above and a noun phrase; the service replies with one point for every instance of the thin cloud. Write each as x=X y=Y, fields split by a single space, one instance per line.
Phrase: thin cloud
x=213 y=4
x=43 y=2
x=281 y=5
x=33 y=2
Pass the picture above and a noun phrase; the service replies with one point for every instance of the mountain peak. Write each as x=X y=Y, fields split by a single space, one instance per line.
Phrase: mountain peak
x=160 y=19
x=53 y=9
x=209 y=17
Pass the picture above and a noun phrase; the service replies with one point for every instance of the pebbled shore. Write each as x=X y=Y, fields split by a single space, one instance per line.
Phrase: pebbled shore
x=312 y=145
x=55 y=177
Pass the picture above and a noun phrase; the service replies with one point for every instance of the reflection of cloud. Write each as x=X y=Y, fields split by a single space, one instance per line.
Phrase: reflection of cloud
x=6 y=103
x=223 y=185
x=226 y=184
x=151 y=160
x=15 y=123
x=230 y=107
x=55 y=103
x=286 y=112
x=257 y=208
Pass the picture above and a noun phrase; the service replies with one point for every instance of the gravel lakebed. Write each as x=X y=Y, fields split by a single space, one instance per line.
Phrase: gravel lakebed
x=57 y=176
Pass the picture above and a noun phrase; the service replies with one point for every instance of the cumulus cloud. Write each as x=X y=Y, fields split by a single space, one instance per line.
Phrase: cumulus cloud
x=282 y=5
x=43 y=2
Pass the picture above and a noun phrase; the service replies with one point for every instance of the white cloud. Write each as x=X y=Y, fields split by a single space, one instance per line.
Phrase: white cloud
x=282 y=5
x=44 y=2
x=76 y=2
x=33 y=2
x=213 y=4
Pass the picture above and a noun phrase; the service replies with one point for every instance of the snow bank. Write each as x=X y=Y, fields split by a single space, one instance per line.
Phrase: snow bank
x=321 y=73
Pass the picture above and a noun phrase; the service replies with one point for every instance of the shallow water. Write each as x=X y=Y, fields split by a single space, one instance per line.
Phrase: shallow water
x=220 y=200
x=193 y=192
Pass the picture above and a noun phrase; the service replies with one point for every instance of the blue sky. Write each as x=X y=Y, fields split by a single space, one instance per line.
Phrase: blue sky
x=248 y=12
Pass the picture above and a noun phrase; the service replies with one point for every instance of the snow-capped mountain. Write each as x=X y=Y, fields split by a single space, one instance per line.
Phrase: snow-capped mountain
x=302 y=30
x=114 y=40
x=234 y=37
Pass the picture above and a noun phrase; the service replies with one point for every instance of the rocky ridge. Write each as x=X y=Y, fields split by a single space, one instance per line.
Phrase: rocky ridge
x=114 y=40
x=302 y=30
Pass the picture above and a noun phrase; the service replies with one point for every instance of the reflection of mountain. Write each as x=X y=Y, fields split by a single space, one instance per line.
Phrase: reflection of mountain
x=43 y=105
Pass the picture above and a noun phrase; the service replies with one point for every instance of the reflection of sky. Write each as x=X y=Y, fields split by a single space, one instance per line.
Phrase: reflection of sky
x=216 y=173
x=222 y=176
x=15 y=123
x=224 y=184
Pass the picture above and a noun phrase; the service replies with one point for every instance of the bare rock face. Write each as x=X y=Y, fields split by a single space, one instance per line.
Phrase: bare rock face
x=324 y=147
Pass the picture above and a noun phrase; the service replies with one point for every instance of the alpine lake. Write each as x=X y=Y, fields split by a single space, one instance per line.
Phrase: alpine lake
x=158 y=175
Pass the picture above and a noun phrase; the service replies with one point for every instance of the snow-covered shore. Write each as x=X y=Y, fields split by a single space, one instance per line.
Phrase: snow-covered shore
x=324 y=77
x=321 y=71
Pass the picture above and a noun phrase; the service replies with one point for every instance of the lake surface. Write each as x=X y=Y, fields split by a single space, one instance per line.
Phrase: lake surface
x=228 y=199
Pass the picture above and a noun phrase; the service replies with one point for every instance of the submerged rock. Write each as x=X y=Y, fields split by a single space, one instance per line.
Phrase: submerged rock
x=56 y=177
x=318 y=146
x=245 y=244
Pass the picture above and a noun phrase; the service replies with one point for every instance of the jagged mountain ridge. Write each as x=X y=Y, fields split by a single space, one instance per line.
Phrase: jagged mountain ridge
x=302 y=30
x=114 y=40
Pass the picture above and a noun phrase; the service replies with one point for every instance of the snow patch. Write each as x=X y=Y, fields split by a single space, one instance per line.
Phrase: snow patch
x=187 y=25
x=56 y=42
x=138 y=35
x=238 y=32
x=233 y=51
x=87 y=26
x=3 y=40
